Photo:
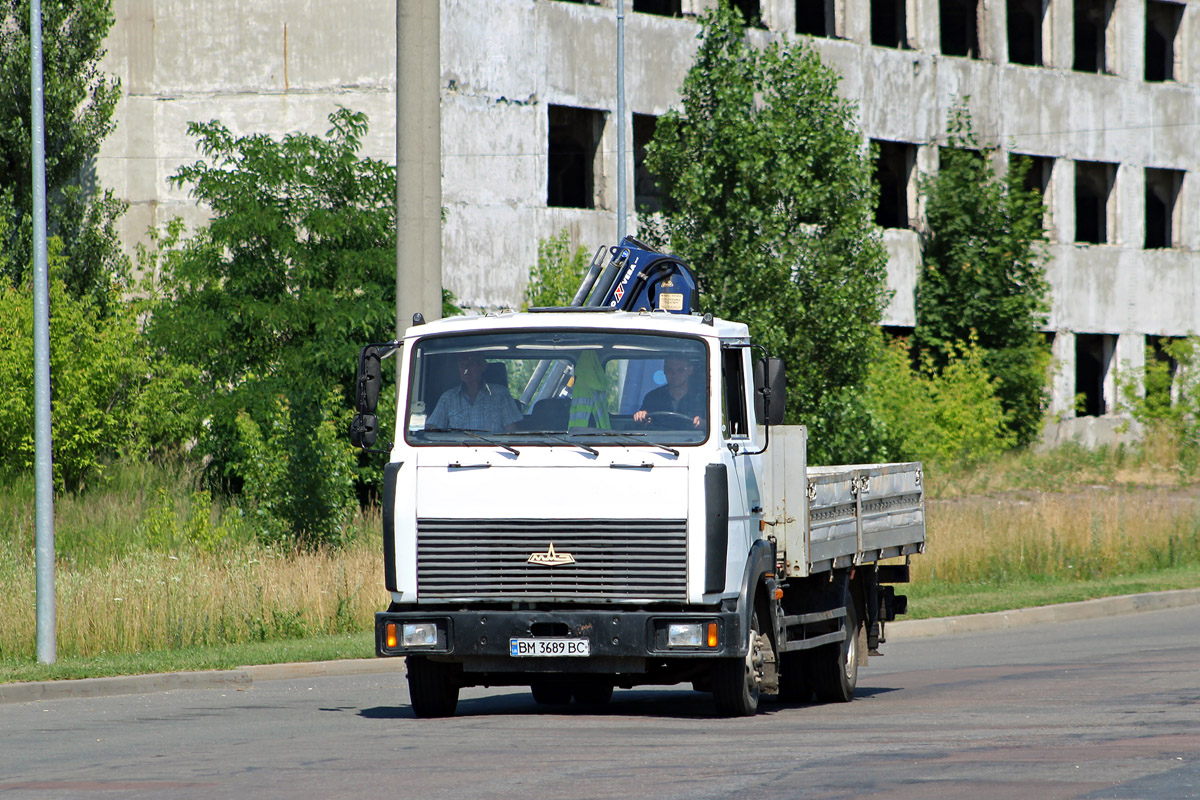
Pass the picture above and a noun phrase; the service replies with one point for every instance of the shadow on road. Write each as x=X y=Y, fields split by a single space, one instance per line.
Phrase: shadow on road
x=625 y=703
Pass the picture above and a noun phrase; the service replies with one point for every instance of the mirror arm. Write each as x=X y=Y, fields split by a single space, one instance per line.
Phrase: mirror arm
x=766 y=393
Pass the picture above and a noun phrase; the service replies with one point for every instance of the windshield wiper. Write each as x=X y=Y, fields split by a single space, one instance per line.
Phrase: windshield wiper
x=474 y=434
x=555 y=437
x=635 y=438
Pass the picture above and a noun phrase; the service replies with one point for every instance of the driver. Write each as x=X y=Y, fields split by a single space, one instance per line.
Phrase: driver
x=678 y=396
x=474 y=405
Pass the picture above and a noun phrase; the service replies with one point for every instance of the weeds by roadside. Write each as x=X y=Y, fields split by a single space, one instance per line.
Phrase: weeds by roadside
x=148 y=564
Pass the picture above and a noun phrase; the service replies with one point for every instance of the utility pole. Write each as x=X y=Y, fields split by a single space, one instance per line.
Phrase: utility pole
x=47 y=641
x=418 y=162
x=620 y=120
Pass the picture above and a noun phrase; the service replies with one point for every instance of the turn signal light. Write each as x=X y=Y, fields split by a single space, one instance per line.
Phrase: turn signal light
x=712 y=634
x=390 y=634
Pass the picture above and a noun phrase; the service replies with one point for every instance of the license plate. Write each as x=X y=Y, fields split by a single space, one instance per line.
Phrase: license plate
x=549 y=647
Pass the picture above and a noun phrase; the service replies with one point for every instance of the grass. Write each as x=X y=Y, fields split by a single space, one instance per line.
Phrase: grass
x=935 y=599
x=154 y=575
x=188 y=659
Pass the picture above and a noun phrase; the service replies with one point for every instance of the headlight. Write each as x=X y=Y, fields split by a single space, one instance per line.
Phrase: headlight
x=685 y=634
x=420 y=634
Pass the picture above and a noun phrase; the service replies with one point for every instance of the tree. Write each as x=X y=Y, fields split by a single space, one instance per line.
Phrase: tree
x=79 y=102
x=556 y=277
x=982 y=276
x=273 y=298
x=768 y=194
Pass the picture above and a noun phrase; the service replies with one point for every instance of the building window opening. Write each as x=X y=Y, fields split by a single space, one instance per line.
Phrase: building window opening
x=1162 y=30
x=574 y=142
x=662 y=8
x=893 y=173
x=887 y=23
x=1092 y=18
x=1025 y=19
x=1161 y=371
x=814 y=17
x=1038 y=179
x=1162 y=207
x=1093 y=197
x=1093 y=358
x=751 y=12
x=959 y=22
x=647 y=195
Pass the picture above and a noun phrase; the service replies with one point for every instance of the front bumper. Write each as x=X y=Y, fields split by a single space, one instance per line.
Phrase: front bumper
x=613 y=635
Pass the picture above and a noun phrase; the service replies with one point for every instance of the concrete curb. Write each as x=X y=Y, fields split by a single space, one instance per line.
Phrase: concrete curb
x=245 y=677
x=1064 y=612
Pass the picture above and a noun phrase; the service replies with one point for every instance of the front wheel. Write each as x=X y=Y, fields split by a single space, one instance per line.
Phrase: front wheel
x=431 y=689
x=737 y=682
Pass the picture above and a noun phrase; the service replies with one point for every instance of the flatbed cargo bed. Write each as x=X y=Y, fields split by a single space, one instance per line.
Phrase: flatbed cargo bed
x=823 y=518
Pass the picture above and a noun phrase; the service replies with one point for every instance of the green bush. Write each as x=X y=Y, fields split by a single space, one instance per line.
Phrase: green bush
x=298 y=472
x=1165 y=398
x=947 y=416
x=98 y=368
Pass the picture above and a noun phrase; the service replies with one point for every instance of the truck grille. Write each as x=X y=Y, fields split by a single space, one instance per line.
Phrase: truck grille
x=613 y=559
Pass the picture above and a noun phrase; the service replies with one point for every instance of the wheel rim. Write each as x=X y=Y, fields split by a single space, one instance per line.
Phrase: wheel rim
x=851 y=666
x=754 y=659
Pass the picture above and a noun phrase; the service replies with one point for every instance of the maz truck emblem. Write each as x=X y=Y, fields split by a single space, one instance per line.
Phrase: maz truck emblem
x=551 y=558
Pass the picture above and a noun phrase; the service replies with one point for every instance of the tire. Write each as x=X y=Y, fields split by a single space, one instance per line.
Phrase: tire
x=550 y=694
x=736 y=682
x=431 y=689
x=834 y=667
x=793 y=678
x=593 y=693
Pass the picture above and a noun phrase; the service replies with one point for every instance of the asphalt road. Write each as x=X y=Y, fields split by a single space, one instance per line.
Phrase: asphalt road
x=1104 y=708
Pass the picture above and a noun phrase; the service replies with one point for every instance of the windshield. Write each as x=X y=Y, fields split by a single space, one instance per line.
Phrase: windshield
x=585 y=387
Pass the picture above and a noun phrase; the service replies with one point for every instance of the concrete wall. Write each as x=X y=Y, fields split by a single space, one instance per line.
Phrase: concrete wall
x=283 y=65
x=272 y=66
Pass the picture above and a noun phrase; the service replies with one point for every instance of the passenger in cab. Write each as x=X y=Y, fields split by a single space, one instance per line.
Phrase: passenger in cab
x=474 y=405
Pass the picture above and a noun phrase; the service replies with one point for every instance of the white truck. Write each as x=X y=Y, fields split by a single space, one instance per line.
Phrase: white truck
x=555 y=527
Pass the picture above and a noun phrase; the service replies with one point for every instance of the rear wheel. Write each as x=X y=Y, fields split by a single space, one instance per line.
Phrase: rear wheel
x=593 y=693
x=431 y=689
x=793 y=679
x=737 y=682
x=834 y=667
x=547 y=693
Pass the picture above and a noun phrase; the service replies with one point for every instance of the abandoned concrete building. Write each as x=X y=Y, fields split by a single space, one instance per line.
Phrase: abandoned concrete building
x=1104 y=95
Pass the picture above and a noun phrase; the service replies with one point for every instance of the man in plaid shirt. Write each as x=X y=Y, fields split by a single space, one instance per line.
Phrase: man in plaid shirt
x=474 y=405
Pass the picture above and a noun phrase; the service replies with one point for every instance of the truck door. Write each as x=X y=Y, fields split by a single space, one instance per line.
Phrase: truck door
x=744 y=504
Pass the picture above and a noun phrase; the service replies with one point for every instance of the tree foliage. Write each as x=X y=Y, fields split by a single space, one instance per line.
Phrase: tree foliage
x=98 y=365
x=558 y=273
x=79 y=102
x=768 y=194
x=982 y=276
x=273 y=298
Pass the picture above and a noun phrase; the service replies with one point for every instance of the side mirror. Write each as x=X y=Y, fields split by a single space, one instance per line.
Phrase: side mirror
x=364 y=428
x=770 y=391
x=370 y=379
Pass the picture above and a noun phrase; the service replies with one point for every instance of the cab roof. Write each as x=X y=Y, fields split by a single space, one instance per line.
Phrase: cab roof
x=643 y=321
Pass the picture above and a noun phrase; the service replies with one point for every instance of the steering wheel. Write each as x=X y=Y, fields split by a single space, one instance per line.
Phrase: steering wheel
x=669 y=420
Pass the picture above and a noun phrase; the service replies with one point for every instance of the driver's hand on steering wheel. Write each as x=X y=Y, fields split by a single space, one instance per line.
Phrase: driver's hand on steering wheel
x=641 y=416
